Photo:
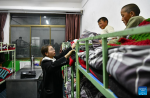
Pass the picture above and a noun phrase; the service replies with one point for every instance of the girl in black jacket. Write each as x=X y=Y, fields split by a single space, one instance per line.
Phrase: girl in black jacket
x=52 y=75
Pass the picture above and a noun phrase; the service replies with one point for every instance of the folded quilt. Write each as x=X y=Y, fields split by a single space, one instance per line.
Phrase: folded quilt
x=95 y=57
x=87 y=34
x=129 y=65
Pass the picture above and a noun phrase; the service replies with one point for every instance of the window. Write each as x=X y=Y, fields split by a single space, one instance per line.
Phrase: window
x=25 y=19
x=31 y=31
x=20 y=37
x=53 y=20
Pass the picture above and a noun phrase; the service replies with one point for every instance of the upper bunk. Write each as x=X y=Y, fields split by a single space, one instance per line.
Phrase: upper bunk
x=102 y=87
x=6 y=47
x=4 y=72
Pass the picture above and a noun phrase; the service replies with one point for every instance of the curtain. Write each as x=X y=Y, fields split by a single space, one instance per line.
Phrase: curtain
x=3 y=17
x=72 y=26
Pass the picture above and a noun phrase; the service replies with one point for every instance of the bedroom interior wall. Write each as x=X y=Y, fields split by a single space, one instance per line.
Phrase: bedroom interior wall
x=6 y=29
x=94 y=9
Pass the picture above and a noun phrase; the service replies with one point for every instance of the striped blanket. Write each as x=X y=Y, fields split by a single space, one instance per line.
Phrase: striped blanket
x=130 y=66
x=95 y=57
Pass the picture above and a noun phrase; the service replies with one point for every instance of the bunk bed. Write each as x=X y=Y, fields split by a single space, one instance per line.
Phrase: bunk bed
x=65 y=70
x=8 y=48
x=102 y=87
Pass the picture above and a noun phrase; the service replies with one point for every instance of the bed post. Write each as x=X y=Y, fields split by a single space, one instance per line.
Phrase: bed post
x=105 y=58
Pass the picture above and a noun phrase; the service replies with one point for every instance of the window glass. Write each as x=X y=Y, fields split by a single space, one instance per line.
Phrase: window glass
x=57 y=39
x=39 y=36
x=26 y=44
x=25 y=19
x=53 y=20
x=21 y=37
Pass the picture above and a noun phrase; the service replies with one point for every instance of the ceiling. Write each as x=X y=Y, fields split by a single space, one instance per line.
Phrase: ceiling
x=78 y=1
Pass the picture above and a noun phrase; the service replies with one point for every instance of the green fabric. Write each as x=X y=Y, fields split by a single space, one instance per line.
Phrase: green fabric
x=134 y=21
x=108 y=46
x=140 y=37
x=148 y=19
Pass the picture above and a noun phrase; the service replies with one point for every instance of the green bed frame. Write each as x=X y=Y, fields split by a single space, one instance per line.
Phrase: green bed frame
x=102 y=87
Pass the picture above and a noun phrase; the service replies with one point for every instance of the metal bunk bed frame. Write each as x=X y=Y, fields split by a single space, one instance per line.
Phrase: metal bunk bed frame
x=102 y=87
x=13 y=56
x=64 y=68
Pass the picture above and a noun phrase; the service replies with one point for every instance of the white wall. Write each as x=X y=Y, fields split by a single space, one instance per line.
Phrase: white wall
x=6 y=29
x=94 y=9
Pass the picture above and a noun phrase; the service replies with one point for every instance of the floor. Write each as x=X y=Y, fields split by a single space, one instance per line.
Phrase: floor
x=3 y=94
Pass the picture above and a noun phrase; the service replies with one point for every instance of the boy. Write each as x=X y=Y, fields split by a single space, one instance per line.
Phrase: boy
x=51 y=67
x=130 y=17
x=103 y=24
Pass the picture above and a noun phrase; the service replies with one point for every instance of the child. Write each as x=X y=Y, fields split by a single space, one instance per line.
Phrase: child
x=130 y=17
x=103 y=24
x=51 y=67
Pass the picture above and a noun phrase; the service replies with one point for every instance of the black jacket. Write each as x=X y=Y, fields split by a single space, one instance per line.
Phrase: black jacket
x=52 y=76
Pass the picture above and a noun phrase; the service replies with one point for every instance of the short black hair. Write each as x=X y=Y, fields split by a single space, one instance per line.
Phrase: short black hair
x=132 y=7
x=103 y=18
x=44 y=50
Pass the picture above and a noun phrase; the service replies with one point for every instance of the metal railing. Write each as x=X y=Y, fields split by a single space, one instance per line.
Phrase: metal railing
x=102 y=87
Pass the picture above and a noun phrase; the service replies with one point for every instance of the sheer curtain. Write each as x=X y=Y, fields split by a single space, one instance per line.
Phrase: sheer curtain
x=72 y=26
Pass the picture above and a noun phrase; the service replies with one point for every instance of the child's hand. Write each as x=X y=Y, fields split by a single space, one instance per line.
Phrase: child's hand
x=69 y=53
x=74 y=45
x=100 y=41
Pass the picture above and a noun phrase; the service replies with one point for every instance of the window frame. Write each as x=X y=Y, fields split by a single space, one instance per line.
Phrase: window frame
x=50 y=26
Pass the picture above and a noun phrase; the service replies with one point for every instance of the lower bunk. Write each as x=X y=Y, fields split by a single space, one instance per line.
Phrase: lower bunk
x=128 y=67
x=88 y=90
x=4 y=74
x=117 y=90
